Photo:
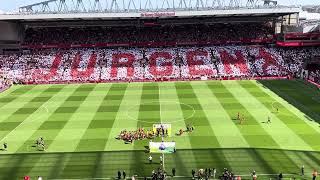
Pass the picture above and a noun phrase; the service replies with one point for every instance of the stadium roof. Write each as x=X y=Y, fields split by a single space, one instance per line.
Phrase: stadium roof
x=160 y=14
x=133 y=9
x=309 y=16
x=312 y=8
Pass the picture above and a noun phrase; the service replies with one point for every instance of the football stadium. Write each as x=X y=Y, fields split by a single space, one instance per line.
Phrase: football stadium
x=159 y=89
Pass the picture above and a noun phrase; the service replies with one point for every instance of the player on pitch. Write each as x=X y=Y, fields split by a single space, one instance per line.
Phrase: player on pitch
x=5 y=146
x=242 y=119
x=239 y=118
x=40 y=143
x=269 y=120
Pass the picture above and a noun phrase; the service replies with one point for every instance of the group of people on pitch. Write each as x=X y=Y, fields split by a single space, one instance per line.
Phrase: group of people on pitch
x=141 y=133
x=241 y=118
x=204 y=173
x=130 y=136
x=189 y=128
x=158 y=174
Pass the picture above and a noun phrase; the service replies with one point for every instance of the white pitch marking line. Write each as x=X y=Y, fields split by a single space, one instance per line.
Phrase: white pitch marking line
x=161 y=123
x=176 y=102
x=25 y=122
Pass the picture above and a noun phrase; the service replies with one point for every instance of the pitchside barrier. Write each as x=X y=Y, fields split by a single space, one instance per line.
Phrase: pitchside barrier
x=314 y=83
x=158 y=80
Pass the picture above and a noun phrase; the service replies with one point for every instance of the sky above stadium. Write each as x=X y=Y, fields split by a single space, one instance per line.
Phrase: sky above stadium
x=10 y=5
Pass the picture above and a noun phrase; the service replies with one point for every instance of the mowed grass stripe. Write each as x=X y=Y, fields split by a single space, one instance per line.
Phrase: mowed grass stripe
x=37 y=162
x=313 y=97
x=95 y=165
x=303 y=96
x=301 y=158
x=53 y=163
x=12 y=168
x=50 y=165
x=149 y=109
x=9 y=108
x=305 y=116
x=65 y=138
x=203 y=130
x=248 y=129
x=199 y=120
x=171 y=113
x=297 y=125
x=59 y=115
x=17 y=137
x=18 y=90
x=252 y=130
x=196 y=158
x=17 y=165
x=218 y=118
x=309 y=117
x=273 y=161
x=95 y=132
x=9 y=97
x=281 y=134
x=9 y=103
x=106 y=164
x=34 y=129
x=24 y=96
x=125 y=118
x=149 y=114
x=15 y=131
x=227 y=130
x=50 y=121
x=96 y=135
x=78 y=124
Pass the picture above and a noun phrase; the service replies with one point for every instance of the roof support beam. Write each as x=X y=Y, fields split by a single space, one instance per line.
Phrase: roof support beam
x=80 y=6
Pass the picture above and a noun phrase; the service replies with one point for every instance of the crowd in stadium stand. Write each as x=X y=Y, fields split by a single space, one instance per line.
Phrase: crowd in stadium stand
x=295 y=57
x=154 y=64
x=314 y=72
x=2 y=84
x=315 y=76
x=154 y=33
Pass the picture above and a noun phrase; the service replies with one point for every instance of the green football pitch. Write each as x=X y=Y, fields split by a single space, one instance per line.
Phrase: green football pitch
x=80 y=122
